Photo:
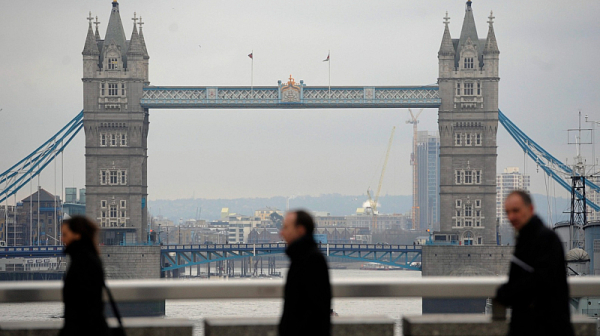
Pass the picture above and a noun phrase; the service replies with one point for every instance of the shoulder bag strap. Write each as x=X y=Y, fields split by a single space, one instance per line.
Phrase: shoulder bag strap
x=114 y=306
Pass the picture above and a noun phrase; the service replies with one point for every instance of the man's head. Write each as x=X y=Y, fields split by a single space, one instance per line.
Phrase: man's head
x=297 y=224
x=519 y=208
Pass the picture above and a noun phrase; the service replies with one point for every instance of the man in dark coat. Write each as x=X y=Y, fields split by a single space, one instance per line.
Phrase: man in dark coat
x=307 y=296
x=537 y=287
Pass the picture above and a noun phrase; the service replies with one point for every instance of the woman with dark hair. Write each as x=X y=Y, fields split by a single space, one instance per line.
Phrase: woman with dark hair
x=84 y=280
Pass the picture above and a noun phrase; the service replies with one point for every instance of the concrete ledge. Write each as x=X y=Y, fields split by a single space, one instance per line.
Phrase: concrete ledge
x=133 y=327
x=267 y=326
x=474 y=324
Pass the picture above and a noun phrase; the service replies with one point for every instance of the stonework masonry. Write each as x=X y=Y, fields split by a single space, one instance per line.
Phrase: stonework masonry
x=115 y=71
x=131 y=262
x=468 y=123
x=465 y=260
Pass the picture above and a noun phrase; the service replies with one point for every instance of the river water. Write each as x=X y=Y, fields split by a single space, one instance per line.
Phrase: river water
x=196 y=310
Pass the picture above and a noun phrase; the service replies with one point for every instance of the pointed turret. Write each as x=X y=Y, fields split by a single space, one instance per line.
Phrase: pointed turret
x=491 y=45
x=142 y=41
x=98 y=38
x=468 y=33
x=91 y=46
x=114 y=31
x=447 y=48
x=135 y=45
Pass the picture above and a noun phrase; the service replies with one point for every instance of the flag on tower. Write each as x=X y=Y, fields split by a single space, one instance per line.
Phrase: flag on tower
x=327 y=59
x=250 y=55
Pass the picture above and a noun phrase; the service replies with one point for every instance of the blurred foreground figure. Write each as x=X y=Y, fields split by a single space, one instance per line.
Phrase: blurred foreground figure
x=537 y=287
x=307 y=296
x=83 y=281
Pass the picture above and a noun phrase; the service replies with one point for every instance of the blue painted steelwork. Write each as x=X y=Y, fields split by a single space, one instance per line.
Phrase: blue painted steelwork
x=180 y=256
x=290 y=95
x=543 y=159
x=18 y=175
x=31 y=251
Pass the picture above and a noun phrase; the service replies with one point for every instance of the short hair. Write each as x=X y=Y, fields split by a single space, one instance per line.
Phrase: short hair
x=523 y=194
x=303 y=218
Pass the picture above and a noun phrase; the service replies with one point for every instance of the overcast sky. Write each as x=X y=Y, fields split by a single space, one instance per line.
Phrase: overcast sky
x=548 y=68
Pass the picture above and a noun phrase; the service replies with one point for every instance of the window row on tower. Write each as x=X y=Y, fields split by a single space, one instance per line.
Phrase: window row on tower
x=467 y=176
x=113 y=213
x=468 y=88
x=467 y=139
x=113 y=139
x=112 y=89
x=113 y=177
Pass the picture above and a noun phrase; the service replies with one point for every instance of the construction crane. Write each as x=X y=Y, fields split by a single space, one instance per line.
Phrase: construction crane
x=416 y=213
x=373 y=202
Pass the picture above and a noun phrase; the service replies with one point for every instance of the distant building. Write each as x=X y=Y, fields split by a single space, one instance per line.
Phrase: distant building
x=8 y=229
x=74 y=206
x=240 y=226
x=70 y=195
x=383 y=222
x=39 y=218
x=511 y=179
x=265 y=213
x=428 y=180
x=322 y=221
x=263 y=236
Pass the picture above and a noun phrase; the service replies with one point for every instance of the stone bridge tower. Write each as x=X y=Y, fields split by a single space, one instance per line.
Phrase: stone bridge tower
x=468 y=123
x=115 y=70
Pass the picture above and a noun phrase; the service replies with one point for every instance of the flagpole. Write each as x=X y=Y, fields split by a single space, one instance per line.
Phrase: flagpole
x=252 y=76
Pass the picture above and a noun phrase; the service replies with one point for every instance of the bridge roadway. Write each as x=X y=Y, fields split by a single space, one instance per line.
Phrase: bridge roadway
x=180 y=256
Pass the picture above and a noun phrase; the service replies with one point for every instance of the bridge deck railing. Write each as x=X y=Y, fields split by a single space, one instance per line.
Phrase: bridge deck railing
x=147 y=290
x=283 y=246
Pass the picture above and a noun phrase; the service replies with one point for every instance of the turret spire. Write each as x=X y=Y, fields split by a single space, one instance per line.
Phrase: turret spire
x=114 y=31
x=97 y=23
x=447 y=48
x=491 y=45
x=135 y=45
x=468 y=31
x=91 y=46
x=142 y=41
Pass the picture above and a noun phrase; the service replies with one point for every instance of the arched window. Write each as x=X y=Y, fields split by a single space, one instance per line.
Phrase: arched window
x=468 y=238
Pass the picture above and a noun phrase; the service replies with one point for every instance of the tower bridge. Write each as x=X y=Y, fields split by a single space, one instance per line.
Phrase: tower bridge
x=118 y=97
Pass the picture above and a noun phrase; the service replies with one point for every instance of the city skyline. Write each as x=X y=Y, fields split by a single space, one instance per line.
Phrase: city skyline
x=296 y=152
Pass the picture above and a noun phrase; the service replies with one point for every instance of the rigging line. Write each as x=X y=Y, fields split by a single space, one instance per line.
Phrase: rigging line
x=546 y=177
x=55 y=214
x=19 y=183
x=38 y=210
x=30 y=210
x=62 y=190
x=77 y=119
x=14 y=225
